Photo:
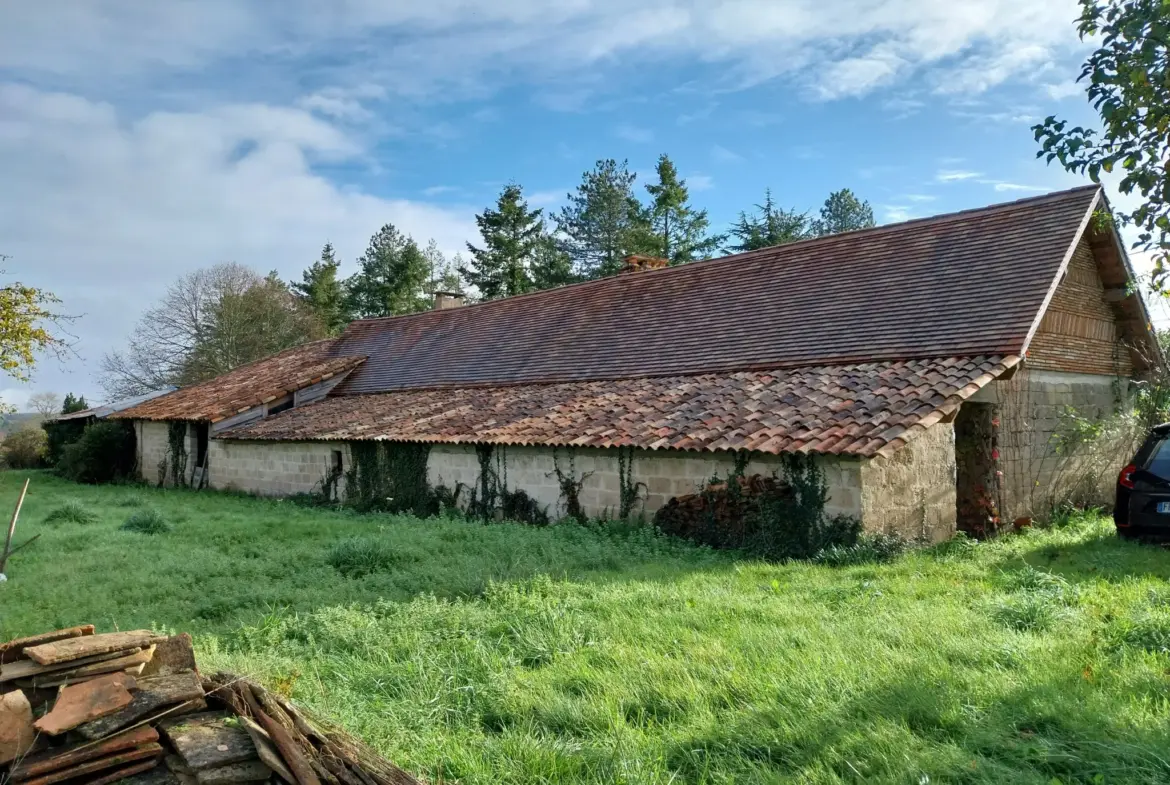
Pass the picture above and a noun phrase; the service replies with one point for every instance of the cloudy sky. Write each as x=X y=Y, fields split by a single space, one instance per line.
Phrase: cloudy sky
x=140 y=141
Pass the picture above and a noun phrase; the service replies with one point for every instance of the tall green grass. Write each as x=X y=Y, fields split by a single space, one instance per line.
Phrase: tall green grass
x=508 y=654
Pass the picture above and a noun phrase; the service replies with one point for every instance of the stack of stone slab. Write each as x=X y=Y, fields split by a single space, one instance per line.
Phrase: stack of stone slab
x=131 y=707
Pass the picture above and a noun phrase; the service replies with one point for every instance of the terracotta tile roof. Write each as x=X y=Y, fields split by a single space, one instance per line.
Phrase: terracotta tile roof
x=860 y=410
x=967 y=284
x=247 y=386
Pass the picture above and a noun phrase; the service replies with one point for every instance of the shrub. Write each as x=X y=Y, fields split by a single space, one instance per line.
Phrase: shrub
x=355 y=557
x=25 y=449
x=104 y=453
x=71 y=512
x=59 y=435
x=518 y=506
x=147 y=521
x=869 y=549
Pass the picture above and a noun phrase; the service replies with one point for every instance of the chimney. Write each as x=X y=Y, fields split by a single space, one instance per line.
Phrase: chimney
x=637 y=263
x=445 y=300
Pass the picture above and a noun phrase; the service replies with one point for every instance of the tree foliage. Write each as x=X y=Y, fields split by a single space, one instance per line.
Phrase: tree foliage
x=73 y=404
x=511 y=235
x=249 y=325
x=677 y=231
x=45 y=404
x=391 y=279
x=603 y=222
x=322 y=291
x=767 y=226
x=843 y=212
x=27 y=315
x=207 y=322
x=552 y=266
x=443 y=273
x=1128 y=80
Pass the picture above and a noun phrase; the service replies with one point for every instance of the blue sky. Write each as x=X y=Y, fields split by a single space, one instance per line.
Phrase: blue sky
x=142 y=141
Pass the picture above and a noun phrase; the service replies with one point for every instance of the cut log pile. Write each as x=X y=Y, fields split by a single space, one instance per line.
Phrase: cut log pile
x=721 y=516
x=131 y=707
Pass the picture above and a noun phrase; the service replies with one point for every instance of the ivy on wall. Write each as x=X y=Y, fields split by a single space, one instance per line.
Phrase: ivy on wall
x=389 y=477
x=177 y=451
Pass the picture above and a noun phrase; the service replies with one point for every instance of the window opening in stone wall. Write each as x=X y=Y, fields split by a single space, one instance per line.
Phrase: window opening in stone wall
x=336 y=462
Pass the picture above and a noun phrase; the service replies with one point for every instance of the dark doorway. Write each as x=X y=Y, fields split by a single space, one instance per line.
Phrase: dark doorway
x=977 y=484
x=201 y=435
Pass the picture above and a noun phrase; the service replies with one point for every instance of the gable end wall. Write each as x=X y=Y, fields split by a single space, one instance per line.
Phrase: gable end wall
x=1080 y=332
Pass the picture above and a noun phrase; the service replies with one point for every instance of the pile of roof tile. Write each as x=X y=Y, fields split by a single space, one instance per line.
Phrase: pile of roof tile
x=131 y=707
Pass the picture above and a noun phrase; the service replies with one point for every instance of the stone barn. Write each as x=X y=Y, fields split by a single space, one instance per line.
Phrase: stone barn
x=927 y=365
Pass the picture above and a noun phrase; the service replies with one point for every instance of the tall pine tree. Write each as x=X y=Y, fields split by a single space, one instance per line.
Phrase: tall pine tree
x=323 y=293
x=391 y=279
x=843 y=212
x=444 y=272
x=511 y=234
x=552 y=266
x=677 y=231
x=73 y=404
x=603 y=222
x=769 y=225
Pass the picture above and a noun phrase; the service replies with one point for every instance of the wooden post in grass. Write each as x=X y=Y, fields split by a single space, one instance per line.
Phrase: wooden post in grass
x=12 y=529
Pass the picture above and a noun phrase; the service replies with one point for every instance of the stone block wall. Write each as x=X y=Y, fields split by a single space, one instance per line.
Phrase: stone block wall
x=272 y=468
x=911 y=493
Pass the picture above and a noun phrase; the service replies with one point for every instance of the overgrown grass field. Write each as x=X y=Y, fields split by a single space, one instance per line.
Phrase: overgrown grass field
x=505 y=654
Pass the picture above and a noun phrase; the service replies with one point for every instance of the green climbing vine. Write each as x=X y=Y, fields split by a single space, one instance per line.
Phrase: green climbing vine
x=570 y=485
x=389 y=477
x=492 y=481
x=177 y=450
x=629 y=492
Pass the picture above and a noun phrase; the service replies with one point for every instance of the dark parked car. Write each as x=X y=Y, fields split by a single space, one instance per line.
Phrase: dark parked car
x=1143 y=489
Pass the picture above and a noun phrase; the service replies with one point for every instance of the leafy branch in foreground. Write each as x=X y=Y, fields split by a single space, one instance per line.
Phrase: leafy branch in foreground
x=1129 y=87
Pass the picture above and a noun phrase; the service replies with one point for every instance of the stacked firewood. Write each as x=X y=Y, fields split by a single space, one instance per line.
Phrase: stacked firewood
x=721 y=515
x=132 y=707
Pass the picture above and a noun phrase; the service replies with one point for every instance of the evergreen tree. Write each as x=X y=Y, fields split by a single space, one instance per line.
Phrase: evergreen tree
x=677 y=231
x=603 y=222
x=444 y=273
x=511 y=234
x=392 y=278
x=552 y=266
x=73 y=404
x=843 y=212
x=769 y=225
x=323 y=293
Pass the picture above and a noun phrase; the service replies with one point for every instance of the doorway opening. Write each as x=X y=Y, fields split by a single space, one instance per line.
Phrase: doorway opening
x=976 y=479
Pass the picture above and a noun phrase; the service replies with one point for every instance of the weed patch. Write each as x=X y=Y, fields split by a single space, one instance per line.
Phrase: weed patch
x=147 y=521
x=356 y=557
x=71 y=512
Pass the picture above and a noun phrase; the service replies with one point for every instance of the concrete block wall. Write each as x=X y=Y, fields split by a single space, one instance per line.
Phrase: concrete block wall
x=912 y=493
x=272 y=468
x=1033 y=414
x=154 y=447
x=665 y=475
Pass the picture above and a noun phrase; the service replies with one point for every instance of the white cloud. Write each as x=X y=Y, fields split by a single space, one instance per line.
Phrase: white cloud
x=1003 y=187
x=897 y=213
x=546 y=199
x=956 y=175
x=1062 y=90
x=919 y=198
x=442 y=48
x=700 y=182
x=633 y=133
x=722 y=155
x=106 y=211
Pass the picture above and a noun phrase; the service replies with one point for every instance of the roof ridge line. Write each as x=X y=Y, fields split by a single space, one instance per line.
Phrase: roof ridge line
x=826 y=239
